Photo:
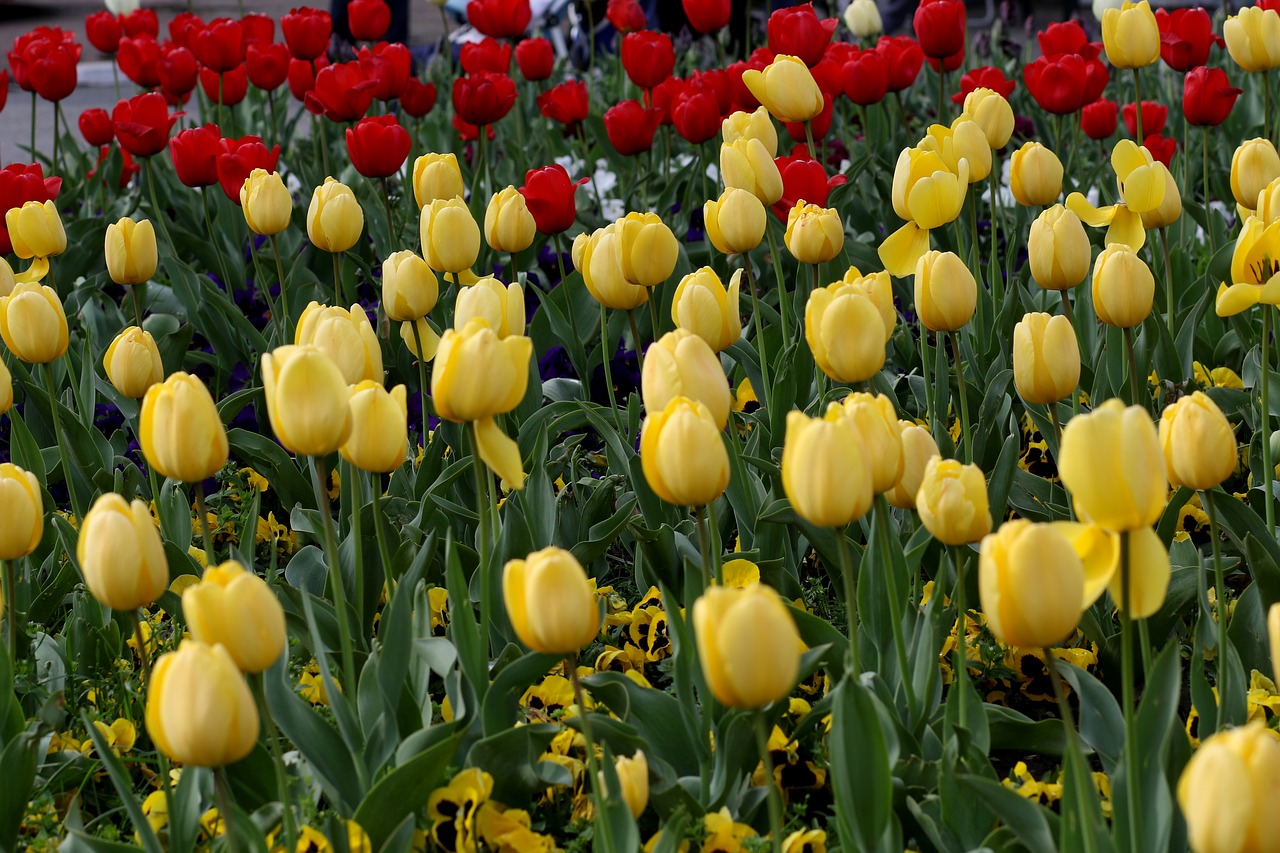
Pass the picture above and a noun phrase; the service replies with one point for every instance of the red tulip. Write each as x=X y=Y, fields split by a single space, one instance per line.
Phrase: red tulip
x=220 y=45
x=21 y=183
x=142 y=124
x=630 y=127
x=467 y=131
x=829 y=73
x=418 y=98
x=483 y=98
x=178 y=71
x=820 y=124
x=378 y=146
x=139 y=60
x=306 y=32
x=1067 y=37
x=707 y=16
x=302 y=78
x=368 y=20
x=902 y=60
x=1154 y=115
x=803 y=178
x=626 y=16
x=96 y=128
x=500 y=18
x=866 y=77
x=258 y=29
x=128 y=168
x=946 y=63
x=1207 y=96
x=31 y=45
x=194 y=152
x=566 y=103
x=229 y=88
x=1162 y=148
x=714 y=82
x=341 y=92
x=664 y=96
x=798 y=31
x=388 y=65
x=696 y=116
x=648 y=58
x=984 y=77
x=1098 y=120
x=487 y=55
x=183 y=27
x=238 y=157
x=103 y=31
x=53 y=70
x=940 y=28
x=1186 y=35
x=267 y=65
x=1056 y=82
x=141 y=22
x=536 y=58
x=548 y=193
x=739 y=94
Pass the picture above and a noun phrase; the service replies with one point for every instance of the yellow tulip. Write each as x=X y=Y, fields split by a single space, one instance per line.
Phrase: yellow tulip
x=1139 y=176
x=681 y=364
x=1253 y=270
x=6 y=388
x=379 y=428
x=267 y=205
x=1227 y=791
x=926 y=194
x=993 y=114
x=236 y=609
x=1273 y=635
x=814 y=234
x=704 y=307
x=825 y=470
x=746 y=164
x=1035 y=175
x=409 y=287
x=132 y=362
x=876 y=421
x=120 y=553
x=878 y=287
x=748 y=645
x=1123 y=287
x=751 y=125
x=845 y=332
x=437 y=176
x=633 y=776
x=346 y=336
x=682 y=453
x=1254 y=165
x=918 y=447
x=7 y=280
x=307 y=399
x=1198 y=442
x=952 y=502
x=22 y=507
x=430 y=340
x=1131 y=35
x=36 y=231
x=786 y=89
x=1111 y=462
x=1253 y=38
x=648 y=249
x=33 y=324
x=862 y=17
x=130 y=249
x=735 y=222
x=1046 y=358
x=180 y=430
x=1170 y=207
x=478 y=375
x=599 y=258
x=1031 y=583
x=335 y=219
x=508 y=224
x=502 y=306
x=200 y=711
x=946 y=293
x=963 y=140
x=1058 y=250
x=450 y=237
x=551 y=604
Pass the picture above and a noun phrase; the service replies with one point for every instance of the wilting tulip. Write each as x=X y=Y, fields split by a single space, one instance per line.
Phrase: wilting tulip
x=1058 y=249
x=746 y=164
x=845 y=332
x=200 y=711
x=36 y=230
x=992 y=113
x=478 y=375
x=682 y=453
x=409 y=287
x=501 y=306
x=1254 y=165
x=335 y=219
x=681 y=364
x=379 y=435
x=22 y=507
x=633 y=776
x=704 y=307
x=946 y=292
x=1199 y=444
x=1035 y=175
x=1046 y=358
x=1123 y=287
x=130 y=249
x=825 y=469
x=1251 y=36
x=120 y=553
x=1131 y=35
x=1031 y=583
x=736 y=222
x=1111 y=462
x=437 y=176
x=33 y=324
x=748 y=645
x=551 y=604
x=508 y=224
x=450 y=236
x=1227 y=790
x=132 y=362
x=346 y=336
x=236 y=608
x=814 y=234
x=751 y=125
x=876 y=421
x=952 y=502
x=647 y=249
x=180 y=430
x=268 y=207
x=307 y=400
x=918 y=447
x=786 y=88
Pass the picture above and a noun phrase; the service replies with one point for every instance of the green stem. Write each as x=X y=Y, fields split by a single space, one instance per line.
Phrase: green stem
x=896 y=603
x=606 y=356
x=284 y=299
x=422 y=379
x=758 y=321
x=654 y=319
x=335 y=576
x=713 y=544
x=156 y=212
x=1137 y=99
x=1168 y=281
x=704 y=544
x=850 y=601
x=11 y=608
x=577 y=351
x=1204 y=177
x=1127 y=699
x=1266 y=102
x=598 y=785
x=775 y=796
x=482 y=536
x=338 y=298
x=63 y=450
x=357 y=492
x=384 y=551
x=783 y=310
x=931 y=410
x=213 y=241
x=964 y=397
x=57 y=114
x=33 y=124
x=257 y=682
x=961 y=664
x=994 y=273
x=635 y=339
x=1135 y=393
x=1220 y=583
x=391 y=217
x=222 y=791
x=1073 y=746
x=205 y=530
x=137 y=304
x=1268 y=469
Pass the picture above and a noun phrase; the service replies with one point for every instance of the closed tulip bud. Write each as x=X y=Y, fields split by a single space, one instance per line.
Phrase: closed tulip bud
x=814 y=234
x=952 y=502
x=1123 y=287
x=552 y=606
x=633 y=776
x=268 y=207
x=647 y=248
x=1131 y=35
x=1251 y=38
x=308 y=400
x=133 y=362
x=35 y=230
x=599 y=258
x=993 y=114
x=681 y=364
x=437 y=176
x=120 y=553
x=946 y=291
x=477 y=375
x=704 y=307
x=1273 y=636
x=180 y=430
x=236 y=608
x=379 y=428
x=862 y=17
x=508 y=224
x=6 y=388
x=502 y=306
x=334 y=218
x=1227 y=790
x=876 y=422
x=131 y=251
x=409 y=287
x=1046 y=358
x=736 y=222
x=746 y=164
x=918 y=447
x=845 y=332
x=682 y=453
x=786 y=88
x=751 y=125
x=1035 y=175
x=1031 y=583
x=1199 y=444
x=33 y=324
x=1112 y=464
x=200 y=711
x=748 y=645
x=1058 y=249
x=826 y=471
x=346 y=336
x=1254 y=165
x=450 y=237
x=22 y=508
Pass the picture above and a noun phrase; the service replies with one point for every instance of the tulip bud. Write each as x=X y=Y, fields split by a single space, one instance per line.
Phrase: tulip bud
x=826 y=471
x=1123 y=287
x=133 y=362
x=1254 y=165
x=199 y=709
x=268 y=207
x=876 y=422
x=409 y=287
x=346 y=336
x=845 y=332
x=918 y=447
x=552 y=606
x=786 y=88
x=1035 y=175
x=647 y=248
x=1058 y=249
x=1170 y=207
x=437 y=176
x=6 y=388
x=814 y=234
x=599 y=258
x=751 y=125
x=7 y=281
x=35 y=230
x=862 y=17
x=334 y=218
x=1111 y=462
x=878 y=287
x=748 y=645
x=1046 y=358
x=130 y=248
x=1199 y=444
x=747 y=165
x=308 y=400
x=1250 y=37
x=1227 y=790
x=946 y=291
x=33 y=324
x=379 y=428
x=120 y=553
x=1131 y=35
x=180 y=430
x=952 y=502
x=477 y=375
x=991 y=111
x=736 y=222
x=1031 y=583
x=1273 y=635
x=236 y=608
x=633 y=776
x=682 y=453
x=22 y=507
x=501 y=306
x=450 y=237
x=681 y=364
x=703 y=306
x=508 y=224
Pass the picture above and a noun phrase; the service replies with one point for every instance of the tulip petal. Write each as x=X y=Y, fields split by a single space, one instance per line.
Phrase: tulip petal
x=36 y=272
x=903 y=248
x=1099 y=553
x=1090 y=215
x=500 y=453
x=1126 y=227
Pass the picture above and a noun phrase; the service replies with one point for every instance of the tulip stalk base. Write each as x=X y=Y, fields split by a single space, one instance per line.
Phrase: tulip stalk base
x=10 y=614
x=1220 y=584
x=205 y=530
x=964 y=397
x=63 y=450
x=335 y=575
x=896 y=603
x=775 y=796
x=598 y=784
x=1073 y=747
x=1127 y=700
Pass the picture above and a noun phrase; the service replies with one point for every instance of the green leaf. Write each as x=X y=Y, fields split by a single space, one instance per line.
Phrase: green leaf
x=861 y=774
x=1101 y=723
x=1025 y=817
x=404 y=790
x=123 y=784
x=18 y=765
x=502 y=699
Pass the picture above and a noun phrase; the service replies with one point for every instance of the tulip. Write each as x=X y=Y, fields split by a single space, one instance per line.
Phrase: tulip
x=307 y=399
x=1273 y=634
x=142 y=124
x=964 y=141
x=814 y=234
x=1031 y=583
x=1112 y=463
x=501 y=306
x=1035 y=175
x=1227 y=790
x=6 y=388
x=1123 y=287
x=825 y=469
x=33 y=324
x=862 y=17
x=735 y=222
x=267 y=204
x=1251 y=36
x=946 y=293
x=237 y=159
x=334 y=217
x=648 y=57
x=7 y=280
x=1171 y=206
x=918 y=447
x=1253 y=268
x=633 y=776
x=551 y=604
x=130 y=248
x=786 y=89
x=200 y=711
x=1046 y=358
x=508 y=224
x=648 y=249
x=346 y=336
x=599 y=258
x=379 y=435
x=378 y=145
x=1199 y=444
x=132 y=362
x=36 y=230
x=567 y=103
x=845 y=332
x=180 y=430
x=751 y=125
x=120 y=553
x=746 y=164
x=748 y=645
x=704 y=307
x=682 y=453
x=630 y=125
x=551 y=197
x=22 y=507
x=1207 y=96
x=876 y=421
x=437 y=176
x=926 y=194
x=681 y=364
x=1098 y=120
x=477 y=375
x=1058 y=249
x=940 y=28
x=992 y=113
x=409 y=287
x=1131 y=35
x=952 y=502
x=237 y=610
x=1254 y=165
x=450 y=237
x=535 y=58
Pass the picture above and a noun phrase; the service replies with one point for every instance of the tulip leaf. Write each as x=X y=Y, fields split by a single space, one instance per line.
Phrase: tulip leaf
x=502 y=699
x=464 y=630
x=404 y=790
x=1101 y=723
x=1024 y=817
x=509 y=757
x=23 y=449
x=655 y=714
x=19 y=762
x=275 y=464
x=861 y=774
x=119 y=777
x=1157 y=722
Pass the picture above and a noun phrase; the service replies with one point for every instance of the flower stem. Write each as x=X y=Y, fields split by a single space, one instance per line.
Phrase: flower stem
x=222 y=792
x=783 y=310
x=205 y=530
x=1268 y=468
x=961 y=664
x=11 y=609
x=335 y=575
x=256 y=681
x=1137 y=99
x=895 y=603
x=391 y=218
x=756 y=319
x=337 y=279
x=1127 y=699
x=606 y=356
x=964 y=397
x=384 y=551
x=1135 y=398
x=284 y=300
x=422 y=378
x=598 y=785
x=156 y=211
x=704 y=544
x=357 y=493
x=850 y=601
x=213 y=241
x=1220 y=583
x=1204 y=176
x=482 y=535
x=775 y=796
x=635 y=339
x=1073 y=746
x=1168 y=281
x=63 y=451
